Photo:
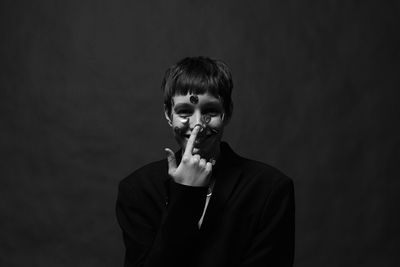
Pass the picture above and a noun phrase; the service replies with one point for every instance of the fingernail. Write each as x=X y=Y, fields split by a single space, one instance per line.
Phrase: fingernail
x=200 y=127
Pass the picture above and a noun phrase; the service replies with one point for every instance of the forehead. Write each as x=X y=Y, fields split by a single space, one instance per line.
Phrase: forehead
x=203 y=98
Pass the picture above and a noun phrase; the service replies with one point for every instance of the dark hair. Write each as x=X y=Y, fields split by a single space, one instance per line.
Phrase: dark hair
x=199 y=75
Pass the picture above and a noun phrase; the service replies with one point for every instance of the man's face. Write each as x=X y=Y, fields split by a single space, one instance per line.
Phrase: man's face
x=205 y=110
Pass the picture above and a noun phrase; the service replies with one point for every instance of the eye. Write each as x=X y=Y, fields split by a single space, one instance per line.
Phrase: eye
x=184 y=113
x=212 y=112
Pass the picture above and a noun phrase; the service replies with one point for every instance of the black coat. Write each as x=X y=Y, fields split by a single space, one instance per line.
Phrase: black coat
x=249 y=220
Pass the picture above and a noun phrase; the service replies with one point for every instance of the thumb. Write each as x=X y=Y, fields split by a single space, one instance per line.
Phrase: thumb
x=171 y=160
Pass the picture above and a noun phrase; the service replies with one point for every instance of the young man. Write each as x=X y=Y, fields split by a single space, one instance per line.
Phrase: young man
x=205 y=205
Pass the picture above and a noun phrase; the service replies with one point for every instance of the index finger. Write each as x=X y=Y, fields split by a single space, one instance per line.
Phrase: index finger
x=192 y=138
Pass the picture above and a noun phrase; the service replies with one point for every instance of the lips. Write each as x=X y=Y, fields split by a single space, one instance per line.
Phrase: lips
x=201 y=139
x=198 y=138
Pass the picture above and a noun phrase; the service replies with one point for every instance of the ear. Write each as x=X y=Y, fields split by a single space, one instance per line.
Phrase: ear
x=225 y=119
x=167 y=117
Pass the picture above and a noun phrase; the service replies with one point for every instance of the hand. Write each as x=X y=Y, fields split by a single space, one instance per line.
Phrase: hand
x=193 y=170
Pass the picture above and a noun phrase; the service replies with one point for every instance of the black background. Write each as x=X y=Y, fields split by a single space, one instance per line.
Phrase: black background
x=81 y=107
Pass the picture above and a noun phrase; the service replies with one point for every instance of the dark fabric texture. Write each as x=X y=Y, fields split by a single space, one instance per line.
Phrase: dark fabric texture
x=249 y=220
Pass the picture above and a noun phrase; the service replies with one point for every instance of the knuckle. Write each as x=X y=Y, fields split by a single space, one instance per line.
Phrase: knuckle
x=202 y=163
x=209 y=167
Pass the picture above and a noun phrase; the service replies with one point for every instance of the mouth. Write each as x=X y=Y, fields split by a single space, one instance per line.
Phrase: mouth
x=199 y=140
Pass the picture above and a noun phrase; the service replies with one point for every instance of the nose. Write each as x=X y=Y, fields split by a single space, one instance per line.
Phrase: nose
x=200 y=119
x=195 y=119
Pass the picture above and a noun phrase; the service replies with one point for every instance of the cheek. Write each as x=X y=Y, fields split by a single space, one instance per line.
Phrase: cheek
x=216 y=123
x=178 y=125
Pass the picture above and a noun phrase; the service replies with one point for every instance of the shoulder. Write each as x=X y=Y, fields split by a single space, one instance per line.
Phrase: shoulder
x=263 y=171
x=254 y=171
x=264 y=178
x=253 y=178
x=151 y=174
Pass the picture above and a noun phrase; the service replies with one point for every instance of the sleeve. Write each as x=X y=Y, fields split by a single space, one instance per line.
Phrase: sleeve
x=168 y=244
x=273 y=242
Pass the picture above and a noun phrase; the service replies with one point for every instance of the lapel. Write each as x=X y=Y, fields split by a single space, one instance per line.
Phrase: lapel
x=226 y=174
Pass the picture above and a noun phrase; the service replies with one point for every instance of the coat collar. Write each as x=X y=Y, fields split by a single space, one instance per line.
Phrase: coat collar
x=226 y=173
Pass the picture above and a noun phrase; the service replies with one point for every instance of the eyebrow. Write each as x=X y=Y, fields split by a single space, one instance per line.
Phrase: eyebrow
x=182 y=105
x=214 y=104
x=185 y=105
